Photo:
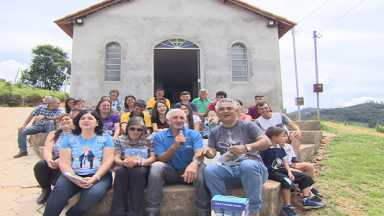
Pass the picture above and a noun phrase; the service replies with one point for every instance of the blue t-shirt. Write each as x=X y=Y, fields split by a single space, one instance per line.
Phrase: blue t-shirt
x=184 y=154
x=273 y=158
x=87 y=155
x=194 y=108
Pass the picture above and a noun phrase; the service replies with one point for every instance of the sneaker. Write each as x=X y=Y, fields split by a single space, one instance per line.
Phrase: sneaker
x=289 y=211
x=314 y=191
x=316 y=198
x=310 y=204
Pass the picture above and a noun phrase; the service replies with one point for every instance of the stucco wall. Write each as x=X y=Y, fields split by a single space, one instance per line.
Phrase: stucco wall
x=140 y=25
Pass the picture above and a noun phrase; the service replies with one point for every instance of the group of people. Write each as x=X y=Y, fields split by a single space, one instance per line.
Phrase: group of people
x=89 y=142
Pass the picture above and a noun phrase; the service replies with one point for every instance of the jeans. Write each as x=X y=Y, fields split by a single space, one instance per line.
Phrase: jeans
x=22 y=134
x=44 y=175
x=163 y=172
x=134 y=181
x=65 y=189
x=250 y=174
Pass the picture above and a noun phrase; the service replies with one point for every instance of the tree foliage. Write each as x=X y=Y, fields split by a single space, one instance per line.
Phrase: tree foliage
x=47 y=69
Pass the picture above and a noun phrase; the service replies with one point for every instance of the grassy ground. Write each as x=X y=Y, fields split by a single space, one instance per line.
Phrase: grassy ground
x=352 y=172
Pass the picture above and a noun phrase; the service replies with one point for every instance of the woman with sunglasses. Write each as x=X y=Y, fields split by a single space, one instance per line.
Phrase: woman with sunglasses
x=87 y=153
x=131 y=175
x=47 y=171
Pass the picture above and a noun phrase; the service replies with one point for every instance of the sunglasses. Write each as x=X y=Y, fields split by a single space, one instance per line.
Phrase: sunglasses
x=137 y=129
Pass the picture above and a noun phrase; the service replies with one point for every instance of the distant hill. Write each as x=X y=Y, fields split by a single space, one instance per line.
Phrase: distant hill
x=365 y=114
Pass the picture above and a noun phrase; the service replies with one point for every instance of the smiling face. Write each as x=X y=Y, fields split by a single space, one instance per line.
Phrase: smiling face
x=185 y=98
x=130 y=101
x=240 y=107
x=135 y=131
x=66 y=123
x=203 y=94
x=264 y=110
x=159 y=94
x=226 y=112
x=161 y=108
x=259 y=99
x=105 y=107
x=113 y=95
x=219 y=97
x=88 y=122
x=185 y=109
x=71 y=104
x=138 y=111
x=80 y=104
x=177 y=120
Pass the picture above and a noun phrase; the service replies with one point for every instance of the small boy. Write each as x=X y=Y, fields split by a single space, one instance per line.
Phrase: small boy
x=80 y=103
x=278 y=169
x=296 y=164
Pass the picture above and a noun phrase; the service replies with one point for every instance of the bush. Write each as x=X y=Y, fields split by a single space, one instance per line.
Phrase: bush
x=380 y=129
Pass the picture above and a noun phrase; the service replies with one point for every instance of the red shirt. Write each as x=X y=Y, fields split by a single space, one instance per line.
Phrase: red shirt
x=252 y=111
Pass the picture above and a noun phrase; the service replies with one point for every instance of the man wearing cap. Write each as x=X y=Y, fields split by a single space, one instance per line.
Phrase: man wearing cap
x=202 y=102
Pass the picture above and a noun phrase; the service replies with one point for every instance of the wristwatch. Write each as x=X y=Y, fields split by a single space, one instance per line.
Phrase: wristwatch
x=198 y=162
x=248 y=148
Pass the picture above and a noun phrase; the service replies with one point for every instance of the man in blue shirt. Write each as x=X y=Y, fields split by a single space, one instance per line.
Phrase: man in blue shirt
x=45 y=117
x=185 y=96
x=177 y=163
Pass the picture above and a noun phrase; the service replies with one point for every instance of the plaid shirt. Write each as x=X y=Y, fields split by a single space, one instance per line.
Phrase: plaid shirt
x=122 y=142
x=43 y=110
x=118 y=104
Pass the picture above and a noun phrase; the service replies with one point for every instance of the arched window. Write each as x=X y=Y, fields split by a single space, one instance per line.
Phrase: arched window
x=176 y=44
x=239 y=62
x=112 y=62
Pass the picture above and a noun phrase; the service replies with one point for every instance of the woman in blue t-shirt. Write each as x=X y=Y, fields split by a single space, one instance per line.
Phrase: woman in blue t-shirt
x=111 y=121
x=87 y=153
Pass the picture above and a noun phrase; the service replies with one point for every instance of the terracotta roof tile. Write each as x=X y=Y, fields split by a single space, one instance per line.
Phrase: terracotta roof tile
x=66 y=23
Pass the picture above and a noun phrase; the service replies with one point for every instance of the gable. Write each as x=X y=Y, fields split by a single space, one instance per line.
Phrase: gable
x=67 y=23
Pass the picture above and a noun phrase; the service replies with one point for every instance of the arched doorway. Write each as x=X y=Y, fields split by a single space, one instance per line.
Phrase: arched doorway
x=177 y=68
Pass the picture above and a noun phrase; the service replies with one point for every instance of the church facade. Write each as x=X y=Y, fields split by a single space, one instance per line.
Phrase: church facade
x=137 y=46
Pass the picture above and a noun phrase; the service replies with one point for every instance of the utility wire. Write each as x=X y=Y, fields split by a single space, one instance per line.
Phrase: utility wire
x=312 y=12
x=342 y=16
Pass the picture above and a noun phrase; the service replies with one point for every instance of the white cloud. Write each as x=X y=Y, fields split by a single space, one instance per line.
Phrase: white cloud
x=9 y=68
x=361 y=100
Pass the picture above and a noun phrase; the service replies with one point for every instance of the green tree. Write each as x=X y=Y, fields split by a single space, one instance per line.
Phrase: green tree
x=48 y=68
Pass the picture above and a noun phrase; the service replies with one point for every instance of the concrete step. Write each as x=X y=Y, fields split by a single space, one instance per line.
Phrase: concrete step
x=308 y=125
x=307 y=151
x=313 y=137
x=179 y=200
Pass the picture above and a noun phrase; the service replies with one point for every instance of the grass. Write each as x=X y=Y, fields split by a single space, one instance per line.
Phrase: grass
x=352 y=180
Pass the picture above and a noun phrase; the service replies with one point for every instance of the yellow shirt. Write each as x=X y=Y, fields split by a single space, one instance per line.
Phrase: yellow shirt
x=152 y=101
x=147 y=118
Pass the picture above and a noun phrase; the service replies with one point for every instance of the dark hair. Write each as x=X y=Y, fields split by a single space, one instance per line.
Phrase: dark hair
x=191 y=124
x=140 y=103
x=135 y=120
x=159 y=89
x=219 y=93
x=260 y=104
x=258 y=96
x=58 y=131
x=241 y=103
x=125 y=100
x=114 y=90
x=274 y=131
x=80 y=100
x=67 y=108
x=77 y=109
x=106 y=96
x=184 y=93
x=97 y=110
x=98 y=128
x=155 y=113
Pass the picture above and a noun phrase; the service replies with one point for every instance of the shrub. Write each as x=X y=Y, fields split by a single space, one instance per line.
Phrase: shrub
x=380 y=129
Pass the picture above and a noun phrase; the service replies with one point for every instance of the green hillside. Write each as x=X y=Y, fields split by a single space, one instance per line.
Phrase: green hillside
x=365 y=115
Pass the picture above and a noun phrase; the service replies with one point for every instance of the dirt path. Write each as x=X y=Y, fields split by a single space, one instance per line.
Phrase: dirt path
x=351 y=129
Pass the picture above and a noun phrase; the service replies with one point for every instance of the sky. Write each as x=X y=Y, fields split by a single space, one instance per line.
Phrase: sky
x=350 y=51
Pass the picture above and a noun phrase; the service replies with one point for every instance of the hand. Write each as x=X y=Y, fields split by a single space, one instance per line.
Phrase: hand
x=207 y=151
x=296 y=134
x=80 y=183
x=38 y=118
x=237 y=149
x=55 y=164
x=129 y=163
x=21 y=128
x=91 y=180
x=179 y=139
x=291 y=176
x=51 y=164
x=190 y=173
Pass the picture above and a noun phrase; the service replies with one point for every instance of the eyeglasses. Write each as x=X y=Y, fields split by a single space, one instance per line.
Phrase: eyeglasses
x=137 y=129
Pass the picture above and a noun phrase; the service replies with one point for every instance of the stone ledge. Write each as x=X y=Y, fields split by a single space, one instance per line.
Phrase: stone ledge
x=309 y=125
x=180 y=198
x=313 y=137
x=307 y=151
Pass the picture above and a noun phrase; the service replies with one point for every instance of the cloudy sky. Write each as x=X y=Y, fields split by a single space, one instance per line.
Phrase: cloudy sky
x=350 y=50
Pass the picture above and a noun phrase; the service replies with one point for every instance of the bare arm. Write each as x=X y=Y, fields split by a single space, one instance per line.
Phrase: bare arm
x=288 y=169
x=152 y=158
x=262 y=143
x=196 y=126
x=190 y=173
x=155 y=129
x=167 y=156
x=48 y=149
x=123 y=127
x=248 y=118
x=26 y=122
x=209 y=152
x=296 y=128
x=117 y=130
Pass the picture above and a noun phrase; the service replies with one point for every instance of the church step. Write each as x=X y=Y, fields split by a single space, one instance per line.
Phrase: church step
x=179 y=200
x=313 y=137
x=307 y=151
x=308 y=125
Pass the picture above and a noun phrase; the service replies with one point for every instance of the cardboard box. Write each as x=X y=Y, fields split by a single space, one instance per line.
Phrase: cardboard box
x=229 y=206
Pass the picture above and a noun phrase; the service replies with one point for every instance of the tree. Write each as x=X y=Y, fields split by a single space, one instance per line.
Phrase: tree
x=48 y=68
